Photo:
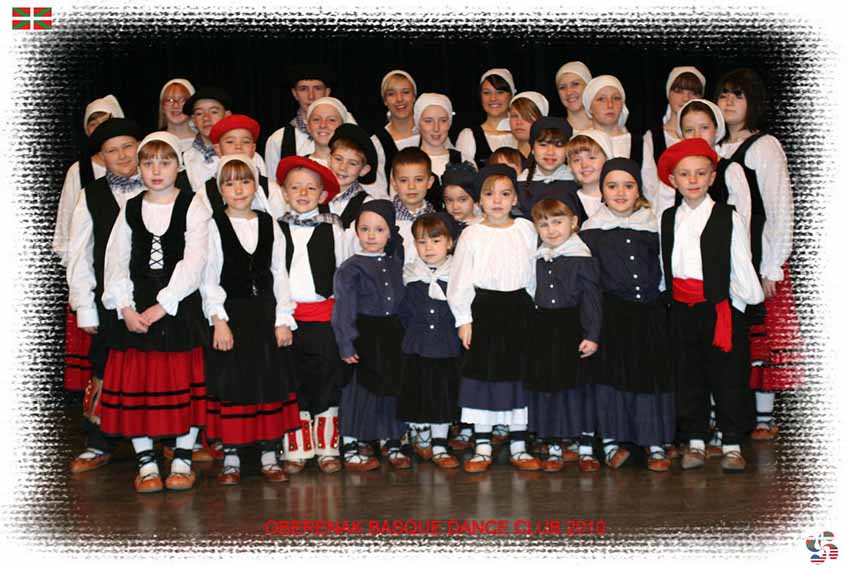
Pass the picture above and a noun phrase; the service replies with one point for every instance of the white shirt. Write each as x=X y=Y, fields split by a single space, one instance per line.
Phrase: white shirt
x=499 y=259
x=247 y=232
x=744 y=285
x=337 y=205
x=199 y=171
x=440 y=161
x=303 y=146
x=301 y=284
x=71 y=191
x=622 y=145
x=652 y=187
x=767 y=158
x=591 y=204
x=118 y=290
x=412 y=140
x=466 y=141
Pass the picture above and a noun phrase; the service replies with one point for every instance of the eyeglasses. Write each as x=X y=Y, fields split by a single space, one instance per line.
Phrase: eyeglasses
x=174 y=100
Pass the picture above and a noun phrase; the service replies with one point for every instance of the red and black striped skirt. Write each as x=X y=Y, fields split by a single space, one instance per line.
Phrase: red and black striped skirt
x=78 y=368
x=237 y=425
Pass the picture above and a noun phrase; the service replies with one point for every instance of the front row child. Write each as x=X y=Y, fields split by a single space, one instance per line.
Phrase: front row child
x=153 y=386
x=250 y=366
x=708 y=271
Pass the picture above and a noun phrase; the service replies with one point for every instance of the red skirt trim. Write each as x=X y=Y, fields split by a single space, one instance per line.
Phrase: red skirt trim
x=78 y=368
x=154 y=394
x=244 y=424
x=778 y=343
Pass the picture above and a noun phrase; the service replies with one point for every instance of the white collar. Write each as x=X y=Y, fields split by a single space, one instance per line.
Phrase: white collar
x=573 y=247
x=560 y=173
x=642 y=220
x=418 y=270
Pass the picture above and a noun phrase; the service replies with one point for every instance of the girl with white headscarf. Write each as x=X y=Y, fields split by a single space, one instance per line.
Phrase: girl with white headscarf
x=172 y=119
x=398 y=92
x=604 y=102
x=571 y=80
x=525 y=108
x=496 y=89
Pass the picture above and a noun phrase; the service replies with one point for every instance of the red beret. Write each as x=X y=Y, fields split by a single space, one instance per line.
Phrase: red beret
x=329 y=181
x=235 y=122
x=683 y=149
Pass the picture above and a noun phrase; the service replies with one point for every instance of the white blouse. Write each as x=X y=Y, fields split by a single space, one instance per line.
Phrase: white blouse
x=440 y=161
x=622 y=145
x=301 y=284
x=118 y=290
x=71 y=191
x=247 y=232
x=591 y=204
x=498 y=259
x=744 y=285
x=337 y=205
x=199 y=171
x=767 y=158
x=466 y=141
x=303 y=146
x=652 y=186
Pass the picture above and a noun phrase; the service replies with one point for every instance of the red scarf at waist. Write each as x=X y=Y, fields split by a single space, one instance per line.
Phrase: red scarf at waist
x=690 y=292
x=319 y=312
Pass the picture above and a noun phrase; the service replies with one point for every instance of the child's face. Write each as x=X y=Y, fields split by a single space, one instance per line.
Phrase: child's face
x=733 y=103
x=308 y=90
x=496 y=202
x=699 y=125
x=411 y=182
x=620 y=193
x=347 y=165
x=323 y=123
x=206 y=113
x=302 y=190
x=172 y=103
x=495 y=102
x=95 y=119
x=399 y=98
x=554 y=230
x=549 y=155
x=459 y=204
x=238 y=193
x=692 y=177
x=587 y=165
x=159 y=172
x=372 y=232
x=434 y=126
x=607 y=106
x=519 y=126
x=119 y=155
x=678 y=97
x=570 y=90
x=236 y=141
x=433 y=250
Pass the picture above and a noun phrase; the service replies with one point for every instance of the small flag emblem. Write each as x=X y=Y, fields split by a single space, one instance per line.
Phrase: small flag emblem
x=32 y=18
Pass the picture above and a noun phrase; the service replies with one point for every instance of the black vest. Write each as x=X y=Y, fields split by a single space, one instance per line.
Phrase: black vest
x=482 y=147
x=636 y=148
x=104 y=211
x=244 y=274
x=86 y=169
x=758 y=217
x=715 y=250
x=659 y=143
x=287 y=145
x=390 y=149
x=434 y=196
x=320 y=252
x=214 y=196
x=349 y=214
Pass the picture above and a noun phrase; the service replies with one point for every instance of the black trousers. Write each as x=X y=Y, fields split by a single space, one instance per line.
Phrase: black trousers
x=320 y=370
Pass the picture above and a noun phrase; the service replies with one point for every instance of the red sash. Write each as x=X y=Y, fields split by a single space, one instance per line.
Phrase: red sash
x=690 y=291
x=314 y=312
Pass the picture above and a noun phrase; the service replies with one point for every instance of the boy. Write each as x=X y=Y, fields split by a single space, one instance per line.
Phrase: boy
x=411 y=179
x=316 y=247
x=354 y=161
x=206 y=107
x=707 y=267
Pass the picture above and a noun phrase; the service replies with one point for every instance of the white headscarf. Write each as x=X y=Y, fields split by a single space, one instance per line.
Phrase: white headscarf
x=168 y=139
x=595 y=85
x=336 y=104
x=674 y=73
x=426 y=100
x=184 y=82
x=244 y=158
x=501 y=72
x=718 y=118
x=576 y=67
x=537 y=98
x=600 y=138
x=107 y=104
x=385 y=82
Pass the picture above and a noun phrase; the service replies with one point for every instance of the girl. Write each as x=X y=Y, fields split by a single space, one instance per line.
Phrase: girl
x=547 y=169
x=526 y=107
x=567 y=321
x=398 y=92
x=153 y=386
x=776 y=345
x=604 y=101
x=250 y=367
x=630 y=374
x=587 y=152
x=458 y=180
x=368 y=289
x=496 y=89
x=323 y=117
x=431 y=369
x=489 y=285
x=172 y=119
x=571 y=80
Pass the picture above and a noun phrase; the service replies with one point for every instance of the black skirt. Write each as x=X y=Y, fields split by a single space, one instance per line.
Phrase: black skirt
x=255 y=370
x=500 y=341
x=554 y=363
x=429 y=389
x=379 y=349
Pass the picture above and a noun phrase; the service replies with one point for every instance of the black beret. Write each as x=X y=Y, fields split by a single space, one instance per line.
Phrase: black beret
x=208 y=92
x=360 y=138
x=114 y=127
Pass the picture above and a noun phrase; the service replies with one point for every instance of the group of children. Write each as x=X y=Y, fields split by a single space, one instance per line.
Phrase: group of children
x=553 y=284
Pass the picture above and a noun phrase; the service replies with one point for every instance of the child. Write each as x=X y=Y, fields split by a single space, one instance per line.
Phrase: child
x=509 y=157
x=398 y=92
x=566 y=328
x=492 y=275
x=496 y=89
x=630 y=374
x=206 y=107
x=776 y=344
x=707 y=267
x=458 y=180
x=431 y=363
x=411 y=179
x=525 y=108
x=571 y=80
x=587 y=152
x=323 y=117
x=93 y=217
x=315 y=248
x=604 y=101
x=250 y=367
x=433 y=115
x=153 y=386
x=172 y=119
x=354 y=161
x=547 y=165
x=368 y=289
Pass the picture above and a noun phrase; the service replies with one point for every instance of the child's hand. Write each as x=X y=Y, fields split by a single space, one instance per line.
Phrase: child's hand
x=464 y=332
x=222 y=336
x=153 y=314
x=769 y=288
x=90 y=330
x=134 y=322
x=352 y=359
x=283 y=336
x=587 y=348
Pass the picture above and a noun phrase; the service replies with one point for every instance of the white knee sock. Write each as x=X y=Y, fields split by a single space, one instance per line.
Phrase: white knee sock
x=697 y=444
x=185 y=441
x=764 y=407
x=142 y=444
x=268 y=458
x=231 y=457
x=728 y=448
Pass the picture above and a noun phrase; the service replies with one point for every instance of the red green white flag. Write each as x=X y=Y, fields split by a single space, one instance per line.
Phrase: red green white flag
x=24 y=18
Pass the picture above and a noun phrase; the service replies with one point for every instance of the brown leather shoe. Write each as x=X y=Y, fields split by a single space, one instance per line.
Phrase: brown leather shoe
x=82 y=464
x=365 y=463
x=180 y=481
x=482 y=463
x=329 y=464
x=424 y=453
x=569 y=456
x=460 y=444
x=445 y=461
x=274 y=474
x=733 y=462
x=294 y=467
x=620 y=456
x=148 y=484
x=713 y=451
x=203 y=455
x=528 y=463
x=765 y=432
x=693 y=459
x=658 y=463
x=588 y=464
x=229 y=476
x=553 y=464
x=399 y=460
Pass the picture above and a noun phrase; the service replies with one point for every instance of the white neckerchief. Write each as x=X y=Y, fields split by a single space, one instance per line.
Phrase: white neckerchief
x=560 y=173
x=418 y=270
x=573 y=247
x=605 y=219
